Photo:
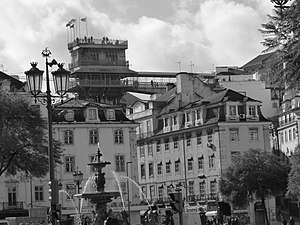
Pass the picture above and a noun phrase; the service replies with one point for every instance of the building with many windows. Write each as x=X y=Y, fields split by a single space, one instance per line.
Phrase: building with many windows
x=188 y=136
x=81 y=127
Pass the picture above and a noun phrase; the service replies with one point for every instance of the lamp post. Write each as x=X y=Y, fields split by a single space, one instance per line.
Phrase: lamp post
x=34 y=78
x=128 y=197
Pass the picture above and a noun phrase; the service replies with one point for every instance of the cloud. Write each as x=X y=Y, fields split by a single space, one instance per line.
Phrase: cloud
x=219 y=32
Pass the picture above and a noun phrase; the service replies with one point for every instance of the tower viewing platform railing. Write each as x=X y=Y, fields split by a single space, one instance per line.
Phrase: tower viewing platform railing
x=104 y=41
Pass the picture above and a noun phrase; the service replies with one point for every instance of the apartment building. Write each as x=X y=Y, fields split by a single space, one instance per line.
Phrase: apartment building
x=188 y=136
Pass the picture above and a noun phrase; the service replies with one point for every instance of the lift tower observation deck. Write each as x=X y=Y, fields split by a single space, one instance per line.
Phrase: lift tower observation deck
x=99 y=69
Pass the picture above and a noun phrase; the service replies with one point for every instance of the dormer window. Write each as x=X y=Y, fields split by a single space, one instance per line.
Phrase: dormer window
x=252 y=110
x=188 y=117
x=166 y=121
x=232 y=110
x=110 y=114
x=92 y=114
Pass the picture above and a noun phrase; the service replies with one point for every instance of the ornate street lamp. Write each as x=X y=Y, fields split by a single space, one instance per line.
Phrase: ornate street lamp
x=34 y=78
x=78 y=177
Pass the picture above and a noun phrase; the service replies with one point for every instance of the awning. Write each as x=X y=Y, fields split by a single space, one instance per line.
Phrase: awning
x=211 y=213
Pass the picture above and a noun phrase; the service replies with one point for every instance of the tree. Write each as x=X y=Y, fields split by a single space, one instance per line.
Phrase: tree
x=293 y=191
x=258 y=173
x=23 y=138
x=281 y=33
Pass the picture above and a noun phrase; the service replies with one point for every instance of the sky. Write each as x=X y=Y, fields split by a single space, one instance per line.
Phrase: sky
x=163 y=35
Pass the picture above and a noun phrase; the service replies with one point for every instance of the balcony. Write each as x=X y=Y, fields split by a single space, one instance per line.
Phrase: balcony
x=12 y=209
x=100 y=42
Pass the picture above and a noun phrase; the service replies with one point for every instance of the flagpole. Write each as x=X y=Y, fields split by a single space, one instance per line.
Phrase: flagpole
x=86 y=28
x=79 y=26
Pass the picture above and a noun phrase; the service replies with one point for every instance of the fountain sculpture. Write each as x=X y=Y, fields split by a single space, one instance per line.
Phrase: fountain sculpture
x=100 y=197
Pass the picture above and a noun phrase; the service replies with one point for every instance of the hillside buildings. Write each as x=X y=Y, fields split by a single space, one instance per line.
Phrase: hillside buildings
x=188 y=136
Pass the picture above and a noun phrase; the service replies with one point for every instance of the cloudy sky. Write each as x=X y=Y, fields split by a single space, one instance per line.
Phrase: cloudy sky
x=160 y=33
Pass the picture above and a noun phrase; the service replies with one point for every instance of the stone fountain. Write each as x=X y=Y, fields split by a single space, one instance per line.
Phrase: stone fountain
x=100 y=197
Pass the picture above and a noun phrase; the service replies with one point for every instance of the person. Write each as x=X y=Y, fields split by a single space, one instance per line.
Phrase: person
x=291 y=221
x=283 y=221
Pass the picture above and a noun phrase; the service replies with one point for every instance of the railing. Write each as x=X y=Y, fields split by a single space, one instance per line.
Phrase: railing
x=12 y=205
x=104 y=41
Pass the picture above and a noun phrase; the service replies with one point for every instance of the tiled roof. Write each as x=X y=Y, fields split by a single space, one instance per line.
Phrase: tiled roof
x=78 y=106
x=258 y=60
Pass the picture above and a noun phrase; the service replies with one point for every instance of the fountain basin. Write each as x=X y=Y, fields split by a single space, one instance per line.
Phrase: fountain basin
x=97 y=197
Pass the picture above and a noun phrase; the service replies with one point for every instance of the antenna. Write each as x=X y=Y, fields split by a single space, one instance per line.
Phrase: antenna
x=191 y=65
x=179 y=65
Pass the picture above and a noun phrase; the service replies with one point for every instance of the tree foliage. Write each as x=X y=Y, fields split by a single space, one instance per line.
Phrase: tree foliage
x=294 y=176
x=23 y=138
x=281 y=33
x=258 y=173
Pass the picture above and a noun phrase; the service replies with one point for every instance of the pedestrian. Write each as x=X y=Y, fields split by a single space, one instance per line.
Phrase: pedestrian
x=283 y=221
x=291 y=221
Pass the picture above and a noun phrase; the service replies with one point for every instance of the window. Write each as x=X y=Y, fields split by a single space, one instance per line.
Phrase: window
x=191 y=187
x=39 y=193
x=151 y=170
x=143 y=171
x=188 y=117
x=12 y=196
x=198 y=114
x=175 y=120
x=94 y=137
x=177 y=166
x=190 y=164
x=70 y=164
x=142 y=151
x=144 y=191
x=120 y=163
x=290 y=134
x=202 y=189
x=123 y=187
x=168 y=167
x=150 y=149
x=71 y=190
x=252 y=111
x=209 y=136
x=152 y=192
x=175 y=142
x=199 y=138
x=294 y=133
x=119 y=136
x=92 y=114
x=110 y=114
x=148 y=126
x=200 y=162
x=285 y=136
x=158 y=146
x=159 y=168
x=232 y=110
x=188 y=140
x=167 y=147
x=211 y=161
x=253 y=134
x=161 y=191
x=234 y=134
x=68 y=137
x=213 y=187
x=166 y=121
